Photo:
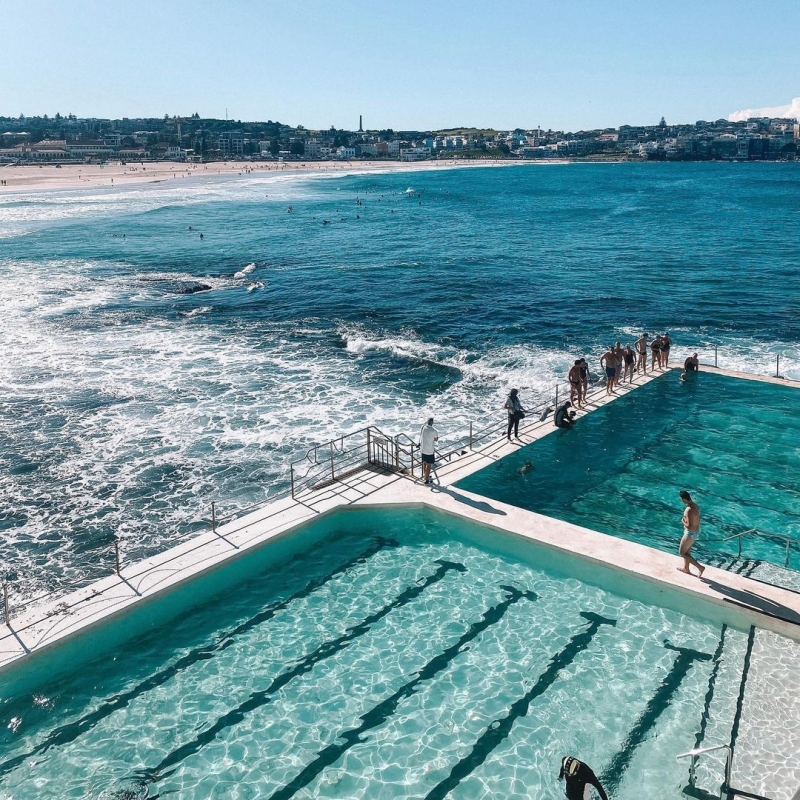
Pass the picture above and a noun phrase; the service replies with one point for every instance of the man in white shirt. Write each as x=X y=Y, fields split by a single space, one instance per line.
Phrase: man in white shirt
x=427 y=437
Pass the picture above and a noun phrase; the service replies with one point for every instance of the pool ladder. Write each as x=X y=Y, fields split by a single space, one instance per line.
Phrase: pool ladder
x=726 y=792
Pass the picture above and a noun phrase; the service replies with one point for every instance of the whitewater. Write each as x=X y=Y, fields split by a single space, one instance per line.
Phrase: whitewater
x=147 y=371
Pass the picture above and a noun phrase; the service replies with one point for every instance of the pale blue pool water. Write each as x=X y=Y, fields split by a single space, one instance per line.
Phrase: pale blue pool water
x=412 y=655
x=733 y=444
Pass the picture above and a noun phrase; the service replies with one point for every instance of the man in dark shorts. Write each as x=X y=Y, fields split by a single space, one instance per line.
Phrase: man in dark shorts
x=641 y=354
x=575 y=383
x=608 y=361
x=579 y=778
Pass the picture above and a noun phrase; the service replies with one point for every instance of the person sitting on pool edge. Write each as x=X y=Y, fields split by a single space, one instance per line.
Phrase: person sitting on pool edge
x=579 y=778
x=692 y=363
x=563 y=418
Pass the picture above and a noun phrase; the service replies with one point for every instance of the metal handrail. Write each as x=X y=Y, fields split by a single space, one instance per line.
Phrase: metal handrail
x=699 y=751
x=752 y=531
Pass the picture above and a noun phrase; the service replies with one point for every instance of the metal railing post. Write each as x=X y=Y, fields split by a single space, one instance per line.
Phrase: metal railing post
x=715 y=355
x=778 y=365
x=470 y=436
x=116 y=555
x=333 y=470
x=788 y=543
x=6 y=616
x=369 y=447
x=556 y=395
x=291 y=478
x=740 y=546
x=213 y=516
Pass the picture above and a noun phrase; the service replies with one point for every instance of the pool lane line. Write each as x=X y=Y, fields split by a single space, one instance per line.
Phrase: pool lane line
x=737 y=719
x=301 y=667
x=658 y=703
x=380 y=713
x=68 y=733
x=712 y=680
x=501 y=728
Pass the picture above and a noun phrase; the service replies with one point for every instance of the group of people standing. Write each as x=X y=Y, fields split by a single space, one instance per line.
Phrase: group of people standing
x=621 y=362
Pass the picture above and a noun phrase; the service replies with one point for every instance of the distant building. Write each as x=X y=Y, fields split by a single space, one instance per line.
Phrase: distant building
x=231 y=144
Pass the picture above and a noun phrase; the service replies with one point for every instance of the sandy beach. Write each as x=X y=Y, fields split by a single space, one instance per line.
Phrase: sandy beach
x=75 y=176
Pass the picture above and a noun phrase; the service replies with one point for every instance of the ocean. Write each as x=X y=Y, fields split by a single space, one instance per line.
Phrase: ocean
x=147 y=372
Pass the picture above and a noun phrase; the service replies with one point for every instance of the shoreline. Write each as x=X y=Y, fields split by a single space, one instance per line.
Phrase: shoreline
x=33 y=177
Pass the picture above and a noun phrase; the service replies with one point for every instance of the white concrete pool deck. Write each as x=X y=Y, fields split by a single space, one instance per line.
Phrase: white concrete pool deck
x=45 y=626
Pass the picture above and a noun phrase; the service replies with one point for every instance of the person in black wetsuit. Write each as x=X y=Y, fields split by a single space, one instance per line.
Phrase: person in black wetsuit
x=563 y=417
x=579 y=777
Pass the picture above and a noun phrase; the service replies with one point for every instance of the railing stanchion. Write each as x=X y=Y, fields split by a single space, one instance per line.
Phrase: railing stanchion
x=788 y=543
x=778 y=365
x=470 y=436
x=6 y=616
x=556 y=395
x=715 y=355
x=213 y=516
x=740 y=546
x=333 y=471
x=369 y=447
x=116 y=555
x=291 y=478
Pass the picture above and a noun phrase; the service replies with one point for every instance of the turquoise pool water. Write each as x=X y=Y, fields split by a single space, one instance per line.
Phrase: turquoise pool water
x=413 y=655
x=733 y=444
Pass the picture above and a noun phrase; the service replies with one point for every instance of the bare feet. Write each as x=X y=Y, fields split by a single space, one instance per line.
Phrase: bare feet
x=684 y=571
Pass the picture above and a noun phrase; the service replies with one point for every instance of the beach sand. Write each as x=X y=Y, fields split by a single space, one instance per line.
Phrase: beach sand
x=117 y=174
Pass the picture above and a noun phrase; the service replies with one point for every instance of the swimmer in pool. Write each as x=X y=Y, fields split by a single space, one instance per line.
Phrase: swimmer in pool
x=526 y=467
x=579 y=778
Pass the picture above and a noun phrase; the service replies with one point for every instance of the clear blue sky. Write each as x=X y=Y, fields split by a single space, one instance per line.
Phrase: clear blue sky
x=404 y=65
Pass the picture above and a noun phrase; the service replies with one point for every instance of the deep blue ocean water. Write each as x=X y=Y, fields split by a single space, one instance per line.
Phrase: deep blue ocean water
x=130 y=401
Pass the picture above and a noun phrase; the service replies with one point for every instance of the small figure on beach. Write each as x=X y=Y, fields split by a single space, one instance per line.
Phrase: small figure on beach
x=428 y=436
x=515 y=413
x=691 y=533
x=575 y=383
x=629 y=363
x=641 y=354
x=579 y=778
x=608 y=362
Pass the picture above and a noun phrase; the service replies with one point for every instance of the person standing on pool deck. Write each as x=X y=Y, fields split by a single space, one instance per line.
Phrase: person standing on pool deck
x=579 y=778
x=515 y=413
x=575 y=383
x=641 y=352
x=608 y=361
x=655 y=349
x=629 y=357
x=618 y=362
x=428 y=436
x=691 y=533
x=666 y=343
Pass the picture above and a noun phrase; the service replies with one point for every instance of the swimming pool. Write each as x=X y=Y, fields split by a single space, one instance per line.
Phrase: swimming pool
x=734 y=444
x=392 y=654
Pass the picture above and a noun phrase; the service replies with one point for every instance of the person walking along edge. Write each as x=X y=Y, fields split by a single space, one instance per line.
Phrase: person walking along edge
x=428 y=435
x=515 y=413
x=691 y=533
